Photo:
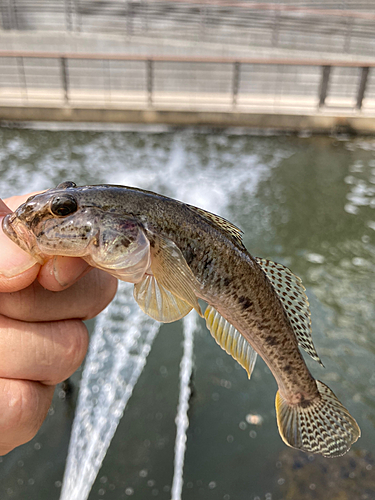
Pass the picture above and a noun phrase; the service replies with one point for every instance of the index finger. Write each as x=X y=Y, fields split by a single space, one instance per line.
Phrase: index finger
x=18 y=269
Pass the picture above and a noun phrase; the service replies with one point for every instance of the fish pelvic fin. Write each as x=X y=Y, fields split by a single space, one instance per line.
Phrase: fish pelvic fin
x=159 y=303
x=323 y=425
x=172 y=272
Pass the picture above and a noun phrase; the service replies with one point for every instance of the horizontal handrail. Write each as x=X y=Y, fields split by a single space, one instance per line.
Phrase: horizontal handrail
x=191 y=59
x=150 y=77
x=275 y=7
x=280 y=8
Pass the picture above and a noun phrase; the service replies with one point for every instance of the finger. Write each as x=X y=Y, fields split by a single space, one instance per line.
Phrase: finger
x=84 y=300
x=61 y=272
x=4 y=209
x=47 y=352
x=17 y=268
x=23 y=407
x=14 y=202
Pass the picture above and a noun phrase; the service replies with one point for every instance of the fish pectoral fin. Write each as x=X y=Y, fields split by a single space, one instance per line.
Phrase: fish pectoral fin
x=323 y=425
x=230 y=339
x=292 y=295
x=159 y=303
x=172 y=272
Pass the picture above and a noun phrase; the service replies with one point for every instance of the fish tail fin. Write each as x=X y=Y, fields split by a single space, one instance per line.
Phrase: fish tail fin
x=322 y=425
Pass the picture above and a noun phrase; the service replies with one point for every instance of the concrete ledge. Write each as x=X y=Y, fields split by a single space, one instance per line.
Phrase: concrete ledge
x=315 y=123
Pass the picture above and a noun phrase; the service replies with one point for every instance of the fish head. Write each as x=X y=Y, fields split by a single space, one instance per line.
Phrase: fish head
x=50 y=223
x=68 y=221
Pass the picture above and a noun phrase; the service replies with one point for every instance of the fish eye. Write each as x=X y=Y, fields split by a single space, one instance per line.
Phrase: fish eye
x=63 y=205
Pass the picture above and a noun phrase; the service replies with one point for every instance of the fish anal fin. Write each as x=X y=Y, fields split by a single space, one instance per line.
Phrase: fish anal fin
x=172 y=272
x=232 y=231
x=292 y=295
x=323 y=426
x=230 y=339
x=159 y=303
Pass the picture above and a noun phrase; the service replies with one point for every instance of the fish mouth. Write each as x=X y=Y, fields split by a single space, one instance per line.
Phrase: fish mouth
x=22 y=236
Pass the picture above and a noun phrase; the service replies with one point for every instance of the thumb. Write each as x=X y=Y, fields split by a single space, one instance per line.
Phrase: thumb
x=17 y=269
x=4 y=209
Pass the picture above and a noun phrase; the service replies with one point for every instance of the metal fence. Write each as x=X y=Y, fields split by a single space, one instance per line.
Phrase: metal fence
x=335 y=26
x=126 y=81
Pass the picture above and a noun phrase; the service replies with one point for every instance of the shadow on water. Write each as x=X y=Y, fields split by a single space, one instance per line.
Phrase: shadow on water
x=309 y=477
x=308 y=203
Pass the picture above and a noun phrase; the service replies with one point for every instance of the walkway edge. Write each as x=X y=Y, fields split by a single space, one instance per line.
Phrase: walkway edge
x=314 y=123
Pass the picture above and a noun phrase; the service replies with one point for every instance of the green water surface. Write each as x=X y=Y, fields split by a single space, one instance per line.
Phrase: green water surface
x=308 y=203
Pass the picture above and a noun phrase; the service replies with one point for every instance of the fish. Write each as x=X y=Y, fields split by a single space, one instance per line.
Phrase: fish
x=176 y=254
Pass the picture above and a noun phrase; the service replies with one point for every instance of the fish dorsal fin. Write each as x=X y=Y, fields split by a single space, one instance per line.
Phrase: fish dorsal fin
x=230 y=339
x=158 y=302
x=291 y=292
x=231 y=231
x=171 y=270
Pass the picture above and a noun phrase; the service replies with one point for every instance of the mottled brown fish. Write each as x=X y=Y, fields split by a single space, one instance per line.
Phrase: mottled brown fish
x=175 y=253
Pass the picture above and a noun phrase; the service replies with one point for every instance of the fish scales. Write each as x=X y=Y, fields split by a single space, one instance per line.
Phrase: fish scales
x=236 y=286
x=174 y=254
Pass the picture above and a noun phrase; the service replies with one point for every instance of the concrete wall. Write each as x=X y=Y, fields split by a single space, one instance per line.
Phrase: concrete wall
x=285 y=122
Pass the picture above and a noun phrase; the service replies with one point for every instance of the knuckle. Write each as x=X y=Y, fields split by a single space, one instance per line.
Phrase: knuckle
x=23 y=409
x=72 y=348
x=104 y=287
x=12 y=404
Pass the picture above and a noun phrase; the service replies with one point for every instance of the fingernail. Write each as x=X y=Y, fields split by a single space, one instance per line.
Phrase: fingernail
x=13 y=260
x=67 y=270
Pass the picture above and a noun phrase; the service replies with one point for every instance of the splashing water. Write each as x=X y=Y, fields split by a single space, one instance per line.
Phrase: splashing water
x=115 y=360
x=182 y=422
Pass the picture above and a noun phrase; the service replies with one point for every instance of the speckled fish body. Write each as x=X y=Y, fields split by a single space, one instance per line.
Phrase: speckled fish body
x=175 y=254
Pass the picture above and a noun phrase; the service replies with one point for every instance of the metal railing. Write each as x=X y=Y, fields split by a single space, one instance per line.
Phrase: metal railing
x=184 y=82
x=336 y=26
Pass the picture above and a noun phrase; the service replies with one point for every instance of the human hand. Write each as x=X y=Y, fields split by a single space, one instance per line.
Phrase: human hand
x=42 y=337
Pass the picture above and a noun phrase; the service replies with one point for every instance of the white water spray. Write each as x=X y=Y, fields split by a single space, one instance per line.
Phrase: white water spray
x=118 y=349
x=124 y=334
x=182 y=421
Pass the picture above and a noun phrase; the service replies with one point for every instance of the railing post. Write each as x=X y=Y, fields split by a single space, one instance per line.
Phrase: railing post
x=202 y=20
x=68 y=15
x=108 y=66
x=150 y=80
x=13 y=9
x=276 y=28
x=64 y=78
x=22 y=76
x=362 y=86
x=129 y=18
x=6 y=16
x=236 y=81
x=145 y=15
x=326 y=70
x=77 y=17
x=348 y=35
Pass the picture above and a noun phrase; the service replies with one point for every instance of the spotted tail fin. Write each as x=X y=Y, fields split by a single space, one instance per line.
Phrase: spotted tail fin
x=323 y=426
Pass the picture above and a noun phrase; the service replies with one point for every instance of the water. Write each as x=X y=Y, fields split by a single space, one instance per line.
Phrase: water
x=114 y=362
x=182 y=420
x=305 y=202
